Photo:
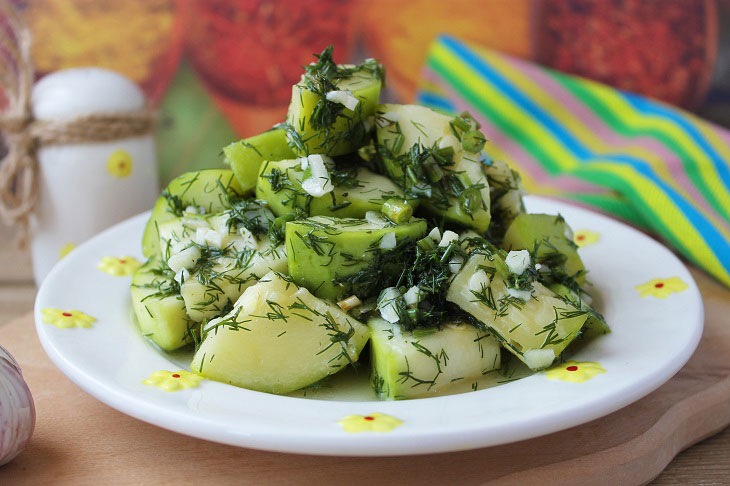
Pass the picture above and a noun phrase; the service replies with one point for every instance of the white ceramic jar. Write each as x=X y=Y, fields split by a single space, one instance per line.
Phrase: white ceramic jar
x=85 y=188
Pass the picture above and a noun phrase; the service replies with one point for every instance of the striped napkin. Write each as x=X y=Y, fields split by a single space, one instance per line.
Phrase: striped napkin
x=653 y=165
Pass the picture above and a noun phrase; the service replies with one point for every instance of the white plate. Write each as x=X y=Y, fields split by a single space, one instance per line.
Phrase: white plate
x=652 y=338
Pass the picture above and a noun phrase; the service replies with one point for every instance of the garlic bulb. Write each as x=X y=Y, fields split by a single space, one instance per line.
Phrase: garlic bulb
x=17 y=413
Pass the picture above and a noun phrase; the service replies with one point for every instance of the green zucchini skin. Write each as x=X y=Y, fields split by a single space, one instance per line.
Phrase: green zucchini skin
x=323 y=251
x=550 y=235
x=280 y=183
x=159 y=307
x=246 y=156
x=405 y=365
x=596 y=324
x=418 y=126
x=349 y=131
x=505 y=196
x=206 y=188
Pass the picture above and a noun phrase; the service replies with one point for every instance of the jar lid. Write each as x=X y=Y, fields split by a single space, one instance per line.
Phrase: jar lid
x=82 y=91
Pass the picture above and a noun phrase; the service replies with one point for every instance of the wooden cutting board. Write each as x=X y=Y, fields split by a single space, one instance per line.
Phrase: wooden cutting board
x=79 y=440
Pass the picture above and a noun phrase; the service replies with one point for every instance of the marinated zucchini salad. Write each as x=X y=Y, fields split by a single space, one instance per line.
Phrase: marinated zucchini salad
x=355 y=226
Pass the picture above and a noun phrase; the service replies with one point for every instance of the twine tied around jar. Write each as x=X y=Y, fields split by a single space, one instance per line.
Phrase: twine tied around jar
x=24 y=135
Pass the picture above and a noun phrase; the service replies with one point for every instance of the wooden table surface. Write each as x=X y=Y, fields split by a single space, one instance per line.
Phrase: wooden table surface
x=706 y=463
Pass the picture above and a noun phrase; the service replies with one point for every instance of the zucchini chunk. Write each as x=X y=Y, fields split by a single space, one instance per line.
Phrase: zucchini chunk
x=532 y=322
x=159 y=308
x=437 y=158
x=278 y=338
x=356 y=190
x=425 y=362
x=215 y=258
x=550 y=240
x=505 y=193
x=595 y=324
x=339 y=257
x=206 y=190
x=246 y=156
x=332 y=106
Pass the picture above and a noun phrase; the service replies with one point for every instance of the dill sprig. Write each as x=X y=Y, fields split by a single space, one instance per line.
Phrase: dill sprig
x=424 y=266
x=337 y=336
x=323 y=76
x=440 y=359
x=429 y=270
x=286 y=181
x=175 y=204
x=382 y=270
x=294 y=138
x=163 y=284
x=178 y=201
x=251 y=214
x=320 y=78
x=553 y=272
x=426 y=172
x=345 y=176
x=502 y=214
x=230 y=321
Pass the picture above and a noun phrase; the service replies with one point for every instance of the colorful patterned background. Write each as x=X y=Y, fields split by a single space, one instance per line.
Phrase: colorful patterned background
x=223 y=68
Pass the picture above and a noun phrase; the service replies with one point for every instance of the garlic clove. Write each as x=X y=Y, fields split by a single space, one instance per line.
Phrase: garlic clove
x=17 y=412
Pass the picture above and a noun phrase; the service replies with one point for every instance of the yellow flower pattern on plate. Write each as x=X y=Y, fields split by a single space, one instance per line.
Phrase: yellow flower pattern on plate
x=119 y=266
x=375 y=422
x=575 y=371
x=65 y=319
x=584 y=237
x=119 y=164
x=661 y=288
x=172 y=381
x=65 y=250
